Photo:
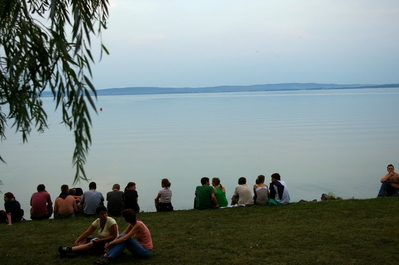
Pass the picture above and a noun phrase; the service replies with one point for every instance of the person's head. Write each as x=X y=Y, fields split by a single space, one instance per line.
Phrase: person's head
x=261 y=179
x=116 y=187
x=242 y=181
x=101 y=212
x=92 y=186
x=390 y=168
x=215 y=182
x=276 y=176
x=8 y=196
x=205 y=181
x=41 y=188
x=130 y=186
x=130 y=216
x=65 y=188
x=165 y=183
x=78 y=192
x=72 y=191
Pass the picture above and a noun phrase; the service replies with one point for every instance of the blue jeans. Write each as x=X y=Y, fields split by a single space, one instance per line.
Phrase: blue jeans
x=388 y=189
x=132 y=245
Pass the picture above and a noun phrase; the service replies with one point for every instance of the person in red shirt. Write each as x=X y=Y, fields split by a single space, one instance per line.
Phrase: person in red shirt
x=42 y=205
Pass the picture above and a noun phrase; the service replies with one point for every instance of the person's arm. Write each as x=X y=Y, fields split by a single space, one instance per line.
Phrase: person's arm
x=158 y=197
x=128 y=228
x=215 y=201
x=138 y=227
x=74 y=205
x=82 y=199
x=55 y=206
x=113 y=230
x=9 y=220
x=386 y=177
x=49 y=201
x=85 y=234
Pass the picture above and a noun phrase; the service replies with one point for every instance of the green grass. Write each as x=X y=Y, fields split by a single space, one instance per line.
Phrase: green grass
x=328 y=232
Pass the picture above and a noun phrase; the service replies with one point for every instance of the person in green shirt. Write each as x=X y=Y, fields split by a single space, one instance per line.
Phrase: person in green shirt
x=220 y=192
x=205 y=196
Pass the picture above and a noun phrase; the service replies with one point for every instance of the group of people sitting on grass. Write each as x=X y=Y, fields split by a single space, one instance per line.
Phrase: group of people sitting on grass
x=208 y=197
x=75 y=202
x=136 y=238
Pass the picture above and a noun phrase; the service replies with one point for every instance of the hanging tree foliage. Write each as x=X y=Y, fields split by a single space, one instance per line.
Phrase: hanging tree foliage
x=46 y=44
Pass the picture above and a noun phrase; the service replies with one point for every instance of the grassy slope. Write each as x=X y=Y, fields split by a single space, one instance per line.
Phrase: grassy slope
x=330 y=232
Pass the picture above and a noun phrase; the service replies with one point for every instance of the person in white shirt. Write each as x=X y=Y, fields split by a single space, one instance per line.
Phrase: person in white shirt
x=242 y=194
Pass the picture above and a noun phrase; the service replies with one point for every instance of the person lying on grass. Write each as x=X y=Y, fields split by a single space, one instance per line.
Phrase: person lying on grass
x=107 y=231
x=136 y=238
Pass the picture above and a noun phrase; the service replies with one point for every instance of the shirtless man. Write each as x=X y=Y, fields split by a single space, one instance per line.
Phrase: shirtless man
x=390 y=183
x=65 y=204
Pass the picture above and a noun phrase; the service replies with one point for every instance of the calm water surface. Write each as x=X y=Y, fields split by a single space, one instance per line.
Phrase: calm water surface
x=321 y=141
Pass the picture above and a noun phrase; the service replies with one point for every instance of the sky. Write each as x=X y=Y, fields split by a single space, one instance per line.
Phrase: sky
x=204 y=43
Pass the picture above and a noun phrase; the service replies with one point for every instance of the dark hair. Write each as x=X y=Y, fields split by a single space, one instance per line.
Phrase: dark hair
x=130 y=216
x=261 y=178
x=242 y=180
x=78 y=192
x=92 y=185
x=100 y=209
x=9 y=195
x=116 y=186
x=276 y=176
x=390 y=165
x=64 y=188
x=41 y=187
x=166 y=183
x=130 y=184
x=204 y=180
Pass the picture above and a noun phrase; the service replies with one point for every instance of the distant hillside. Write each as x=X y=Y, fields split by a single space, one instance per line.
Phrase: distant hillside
x=219 y=89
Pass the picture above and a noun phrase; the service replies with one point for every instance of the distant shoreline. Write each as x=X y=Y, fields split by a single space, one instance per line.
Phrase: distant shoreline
x=222 y=89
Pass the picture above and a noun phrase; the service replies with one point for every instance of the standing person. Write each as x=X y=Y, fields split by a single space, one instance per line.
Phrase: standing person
x=242 y=194
x=132 y=197
x=279 y=190
x=220 y=192
x=261 y=191
x=116 y=201
x=205 y=196
x=136 y=238
x=42 y=205
x=390 y=183
x=107 y=231
x=65 y=205
x=163 y=201
x=13 y=212
x=91 y=199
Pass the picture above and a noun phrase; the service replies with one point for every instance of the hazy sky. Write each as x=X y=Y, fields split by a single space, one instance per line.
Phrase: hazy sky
x=178 y=43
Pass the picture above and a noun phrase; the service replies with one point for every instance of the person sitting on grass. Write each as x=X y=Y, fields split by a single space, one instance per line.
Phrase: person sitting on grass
x=220 y=192
x=278 y=190
x=205 y=196
x=389 y=183
x=261 y=191
x=136 y=238
x=242 y=194
x=65 y=205
x=107 y=231
x=13 y=212
x=163 y=201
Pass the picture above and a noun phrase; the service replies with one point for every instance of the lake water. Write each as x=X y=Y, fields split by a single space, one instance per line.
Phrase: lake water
x=319 y=141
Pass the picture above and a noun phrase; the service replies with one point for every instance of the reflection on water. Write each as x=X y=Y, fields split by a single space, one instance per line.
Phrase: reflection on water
x=319 y=141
